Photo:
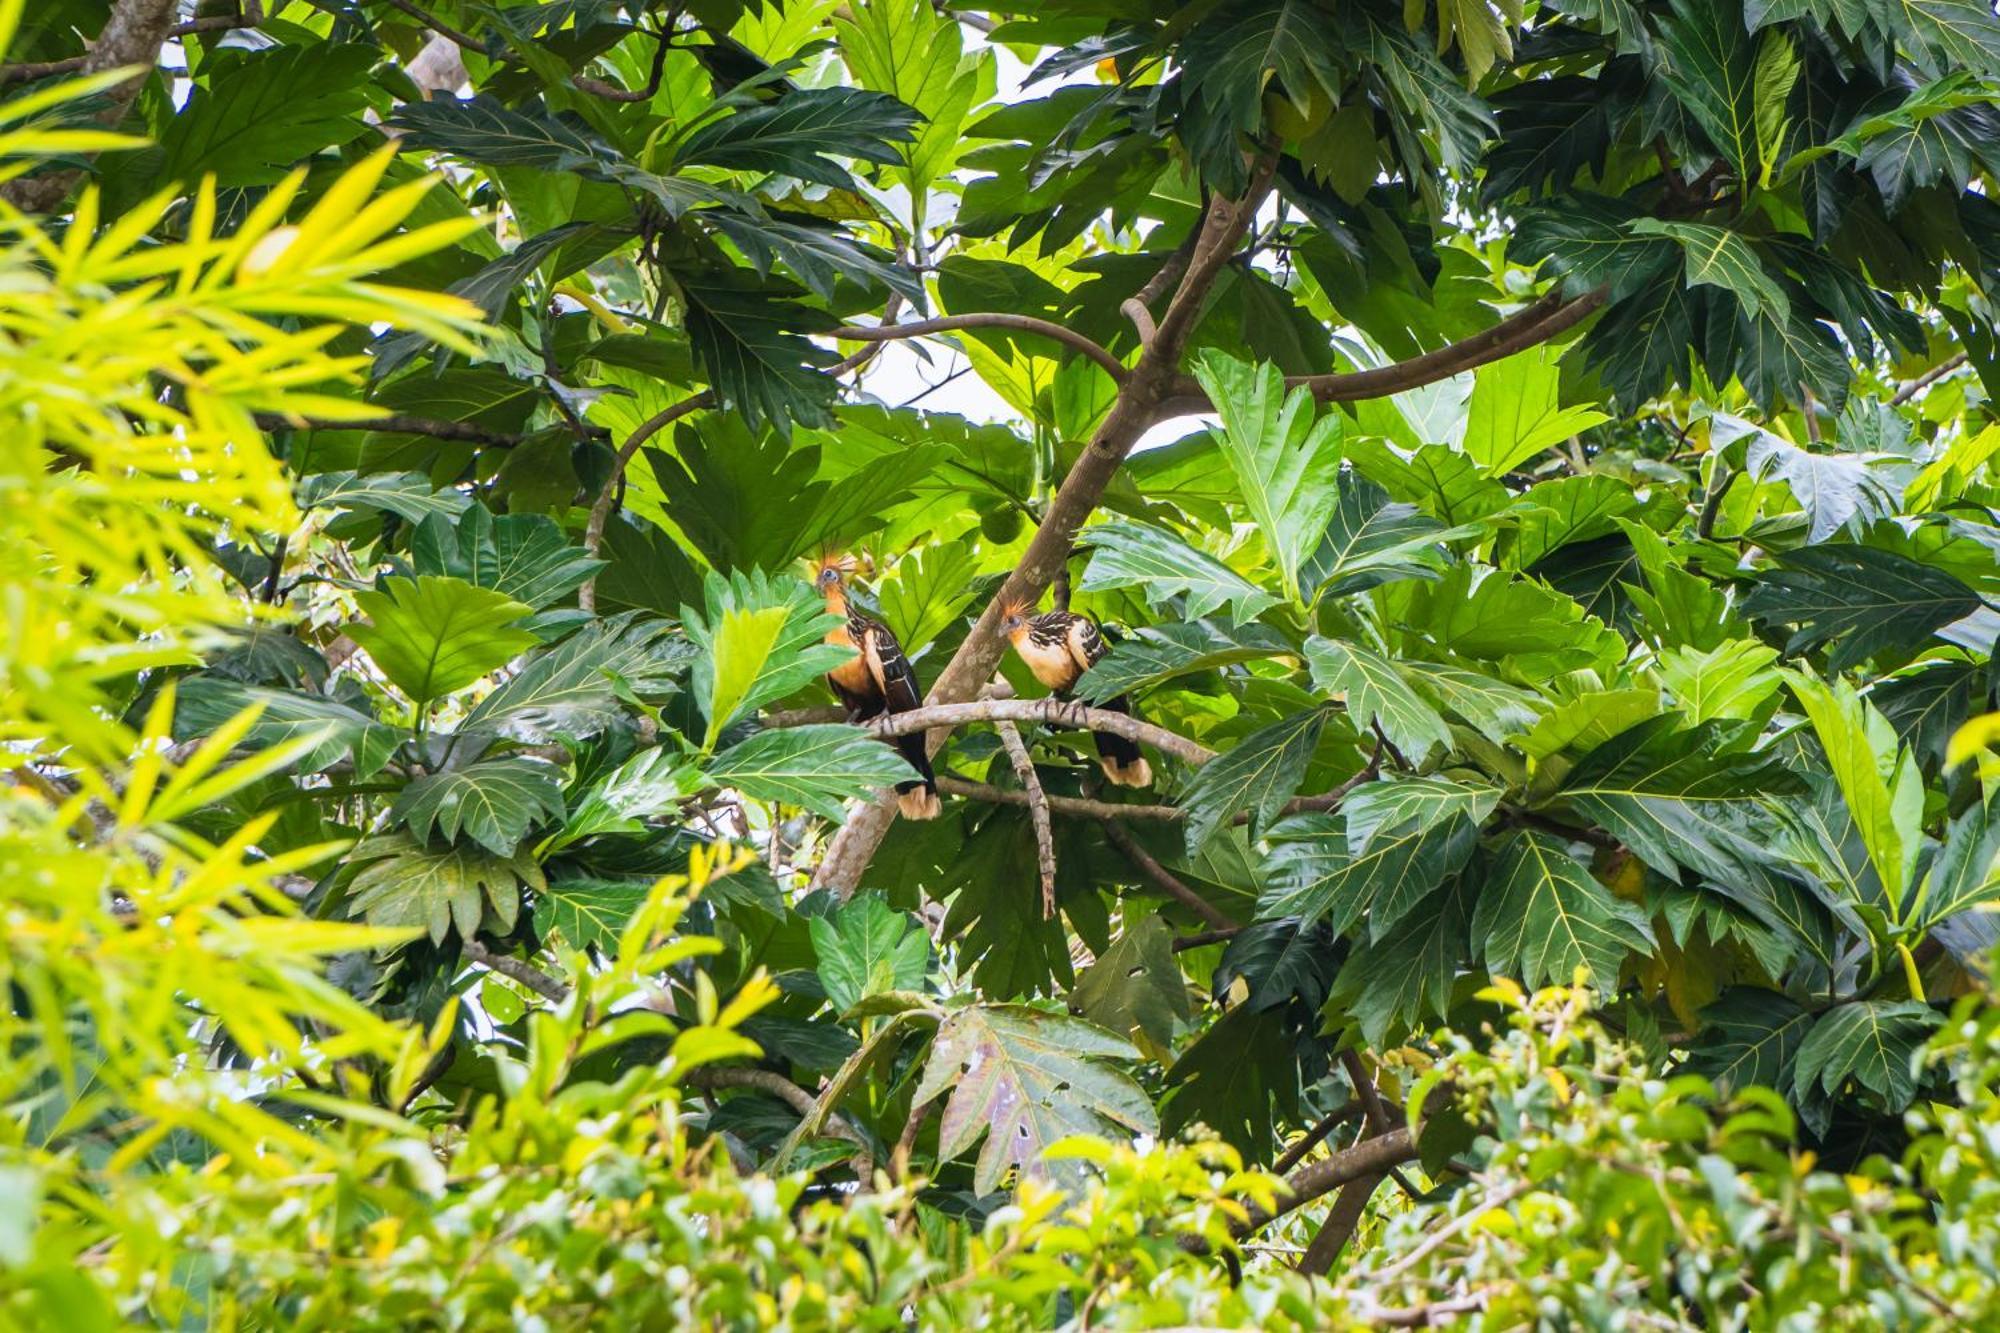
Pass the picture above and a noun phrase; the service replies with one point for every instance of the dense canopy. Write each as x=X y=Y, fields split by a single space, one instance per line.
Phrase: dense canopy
x=1439 y=561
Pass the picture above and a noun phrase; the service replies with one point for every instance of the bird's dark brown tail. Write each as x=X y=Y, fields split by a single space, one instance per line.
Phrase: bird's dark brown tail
x=917 y=798
x=1120 y=758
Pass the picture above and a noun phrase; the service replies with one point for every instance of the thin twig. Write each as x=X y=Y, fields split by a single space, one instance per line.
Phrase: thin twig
x=611 y=92
x=1313 y=1137
x=397 y=423
x=1711 y=505
x=985 y=320
x=607 y=495
x=1038 y=812
x=464 y=41
x=1203 y=938
x=906 y=1142
x=1172 y=884
x=1928 y=378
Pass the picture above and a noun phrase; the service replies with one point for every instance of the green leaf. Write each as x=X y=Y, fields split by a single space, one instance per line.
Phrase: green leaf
x=408 y=495
x=1554 y=514
x=405 y=884
x=1516 y=412
x=571 y=690
x=1541 y=916
x=1872 y=1042
x=433 y=635
x=494 y=802
x=1775 y=76
x=1680 y=797
x=1376 y=694
x=1835 y=490
x=1136 y=987
x=1373 y=540
x=590 y=913
x=1879 y=779
x=1719 y=257
x=1963 y=876
x=1315 y=874
x=865 y=947
x=1387 y=985
x=204 y=703
x=1750 y=1038
x=1412 y=804
x=1239 y=1078
x=1530 y=630
x=1023 y=1079
x=749 y=334
x=1287 y=463
x=1165 y=652
x=1128 y=555
x=1710 y=66
x=738 y=651
x=759 y=638
x=1259 y=774
x=797 y=135
x=1859 y=599
x=912 y=51
x=1588 y=239
x=524 y=556
x=1230 y=59
x=1442 y=481
x=1732 y=681
x=928 y=593
x=252 y=115
x=1494 y=709
x=817 y=767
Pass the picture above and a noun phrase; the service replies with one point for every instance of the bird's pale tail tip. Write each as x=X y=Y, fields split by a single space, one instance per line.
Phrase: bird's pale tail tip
x=1136 y=773
x=918 y=803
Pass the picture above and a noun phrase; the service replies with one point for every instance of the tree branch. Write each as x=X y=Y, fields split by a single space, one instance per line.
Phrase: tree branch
x=792 y=1095
x=397 y=423
x=250 y=15
x=1928 y=378
x=1369 y=1157
x=607 y=495
x=131 y=37
x=1170 y=883
x=1538 y=323
x=1341 y=1223
x=1038 y=812
x=872 y=333
x=548 y=987
x=1056 y=712
x=611 y=92
x=1203 y=938
x=1313 y=1137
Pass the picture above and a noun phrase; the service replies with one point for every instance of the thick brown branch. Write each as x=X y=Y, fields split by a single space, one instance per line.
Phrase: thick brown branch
x=1168 y=882
x=1132 y=412
x=252 y=14
x=1341 y=1223
x=1038 y=812
x=1203 y=938
x=548 y=987
x=984 y=320
x=132 y=37
x=1367 y=1158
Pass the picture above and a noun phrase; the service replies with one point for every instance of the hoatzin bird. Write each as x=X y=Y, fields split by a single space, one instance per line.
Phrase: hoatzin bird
x=878 y=680
x=1059 y=646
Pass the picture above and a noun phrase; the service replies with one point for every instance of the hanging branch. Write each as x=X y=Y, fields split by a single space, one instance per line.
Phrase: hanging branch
x=1168 y=882
x=1928 y=378
x=985 y=320
x=1038 y=812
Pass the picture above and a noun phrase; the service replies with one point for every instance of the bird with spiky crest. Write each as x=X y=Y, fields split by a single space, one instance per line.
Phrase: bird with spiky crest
x=1059 y=646
x=878 y=679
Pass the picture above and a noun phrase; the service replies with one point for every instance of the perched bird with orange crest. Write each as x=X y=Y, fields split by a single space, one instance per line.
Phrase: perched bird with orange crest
x=878 y=679
x=1059 y=646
